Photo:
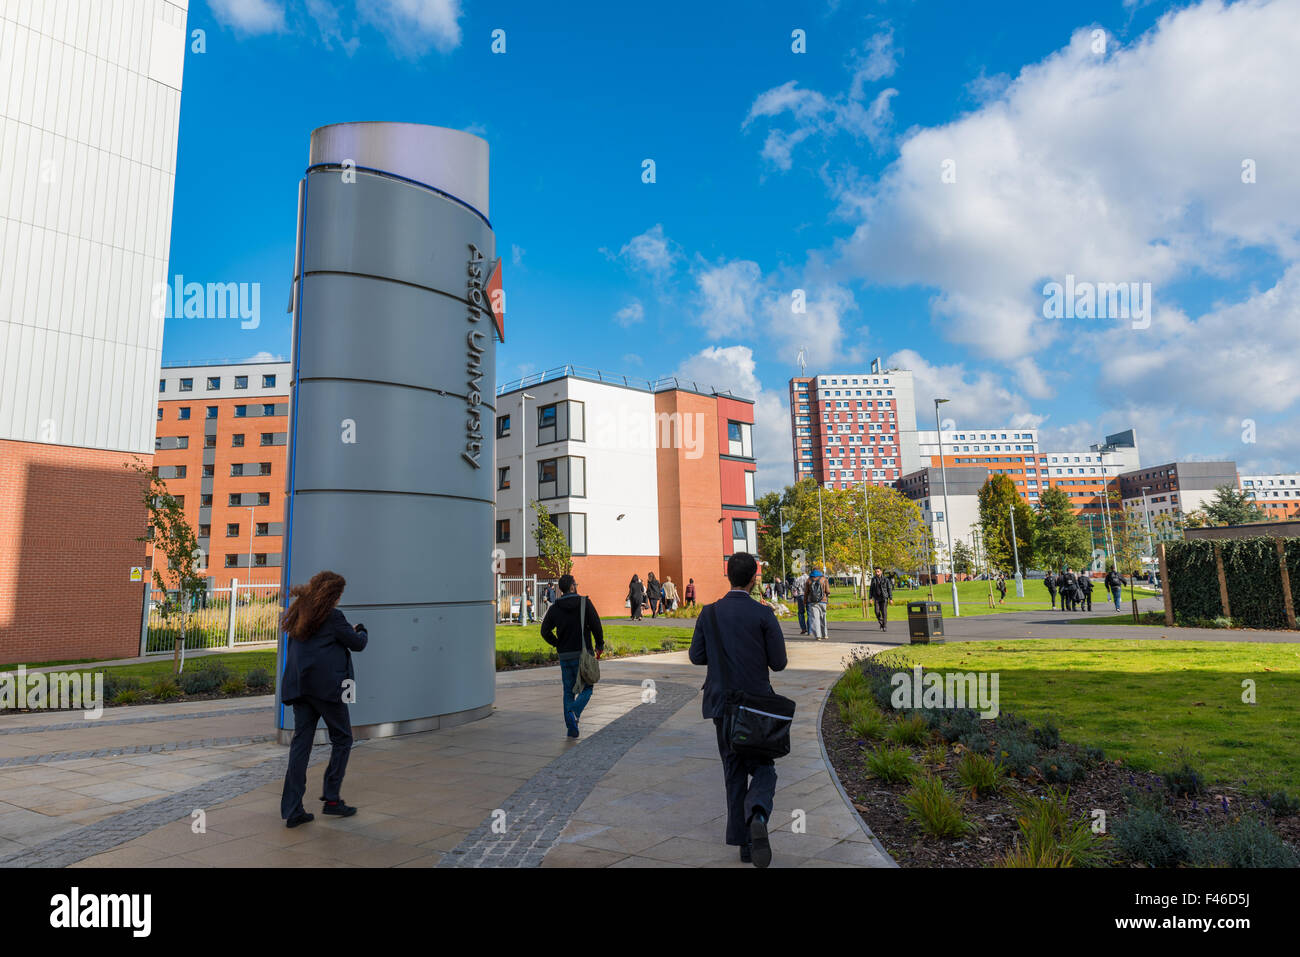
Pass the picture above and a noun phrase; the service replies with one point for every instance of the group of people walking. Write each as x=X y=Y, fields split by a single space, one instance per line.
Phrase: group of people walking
x=1075 y=588
x=811 y=592
x=658 y=596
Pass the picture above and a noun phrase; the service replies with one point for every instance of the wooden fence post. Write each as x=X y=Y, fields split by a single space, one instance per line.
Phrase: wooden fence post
x=1166 y=591
x=1223 y=581
x=1286 y=584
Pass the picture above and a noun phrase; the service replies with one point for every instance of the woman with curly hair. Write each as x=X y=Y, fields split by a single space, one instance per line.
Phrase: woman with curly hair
x=317 y=664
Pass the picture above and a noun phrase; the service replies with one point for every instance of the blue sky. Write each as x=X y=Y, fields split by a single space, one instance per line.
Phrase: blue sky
x=1112 y=156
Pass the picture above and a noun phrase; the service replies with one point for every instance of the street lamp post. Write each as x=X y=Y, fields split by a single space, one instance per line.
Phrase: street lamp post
x=947 y=515
x=523 y=506
x=780 y=524
x=1146 y=510
x=1107 y=525
x=1015 y=547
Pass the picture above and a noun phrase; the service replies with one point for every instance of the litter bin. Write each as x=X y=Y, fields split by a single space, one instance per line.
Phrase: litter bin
x=925 y=622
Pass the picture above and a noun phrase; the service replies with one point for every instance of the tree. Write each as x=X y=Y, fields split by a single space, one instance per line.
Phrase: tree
x=1132 y=542
x=1059 y=538
x=1231 y=506
x=769 y=534
x=173 y=538
x=998 y=498
x=963 y=558
x=554 y=558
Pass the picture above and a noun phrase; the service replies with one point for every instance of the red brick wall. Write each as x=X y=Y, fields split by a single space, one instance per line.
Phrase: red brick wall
x=69 y=523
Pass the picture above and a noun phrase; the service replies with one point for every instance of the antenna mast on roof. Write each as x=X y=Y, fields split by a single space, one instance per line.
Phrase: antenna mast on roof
x=802 y=359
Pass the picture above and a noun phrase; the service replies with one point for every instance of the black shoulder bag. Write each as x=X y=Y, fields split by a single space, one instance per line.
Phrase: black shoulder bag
x=753 y=724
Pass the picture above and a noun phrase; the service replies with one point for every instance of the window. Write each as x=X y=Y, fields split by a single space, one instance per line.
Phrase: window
x=749 y=488
x=260 y=559
x=561 y=421
x=214 y=382
x=561 y=477
x=205 y=531
x=268 y=438
x=212 y=412
x=232 y=530
x=183 y=413
x=187 y=385
x=180 y=471
x=263 y=498
x=159 y=413
x=237 y=440
x=503 y=477
x=263 y=528
x=268 y=382
x=234 y=499
x=180 y=500
x=209 y=441
x=739 y=440
x=743 y=535
x=263 y=468
x=236 y=469
x=503 y=530
x=232 y=561
x=574 y=527
x=241 y=382
x=503 y=426
x=241 y=411
x=268 y=408
x=162 y=385
x=205 y=501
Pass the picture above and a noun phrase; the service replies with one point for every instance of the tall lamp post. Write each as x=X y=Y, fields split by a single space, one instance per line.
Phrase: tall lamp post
x=1146 y=510
x=1107 y=525
x=947 y=515
x=780 y=524
x=1015 y=546
x=523 y=506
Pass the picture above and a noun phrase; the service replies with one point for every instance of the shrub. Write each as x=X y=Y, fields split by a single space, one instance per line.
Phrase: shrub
x=936 y=755
x=865 y=721
x=1245 y=842
x=934 y=808
x=233 y=685
x=911 y=729
x=1058 y=767
x=1184 y=781
x=668 y=644
x=1018 y=754
x=259 y=679
x=955 y=724
x=128 y=696
x=852 y=684
x=1048 y=737
x=1280 y=803
x=206 y=678
x=1049 y=837
x=979 y=774
x=165 y=688
x=891 y=764
x=1152 y=837
x=975 y=741
x=114 y=685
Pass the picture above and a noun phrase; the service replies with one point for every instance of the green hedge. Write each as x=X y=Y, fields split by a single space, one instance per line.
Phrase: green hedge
x=1252 y=573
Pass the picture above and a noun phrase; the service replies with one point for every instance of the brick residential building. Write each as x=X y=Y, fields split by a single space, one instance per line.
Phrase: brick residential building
x=221 y=444
x=641 y=476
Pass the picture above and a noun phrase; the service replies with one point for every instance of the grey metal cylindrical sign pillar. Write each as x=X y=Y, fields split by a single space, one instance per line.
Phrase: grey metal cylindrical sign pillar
x=392 y=417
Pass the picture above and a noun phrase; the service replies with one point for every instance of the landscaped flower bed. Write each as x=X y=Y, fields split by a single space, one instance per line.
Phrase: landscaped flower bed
x=944 y=788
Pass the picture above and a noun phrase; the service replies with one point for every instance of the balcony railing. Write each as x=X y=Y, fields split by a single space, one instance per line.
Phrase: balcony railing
x=662 y=384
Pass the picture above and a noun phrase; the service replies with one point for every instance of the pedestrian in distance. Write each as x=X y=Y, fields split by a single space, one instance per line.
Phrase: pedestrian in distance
x=690 y=593
x=880 y=592
x=1049 y=580
x=635 y=596
x=653 y=595
x=570 y=625
x=1002 y=588
x=318 y=682
x=740 y=640
x=801 y=601
x=1085 y=590
x=1114 y=582
x=1068 y=586
x=670 y=595
x=816 y=596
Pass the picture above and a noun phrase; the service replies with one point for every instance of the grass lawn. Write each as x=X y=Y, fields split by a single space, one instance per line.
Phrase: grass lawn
x=974 y=598
x=239 y=662
x=618 y=638
x=1146 y=701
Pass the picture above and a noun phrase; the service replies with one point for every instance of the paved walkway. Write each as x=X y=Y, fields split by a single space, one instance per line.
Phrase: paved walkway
x=642 y=787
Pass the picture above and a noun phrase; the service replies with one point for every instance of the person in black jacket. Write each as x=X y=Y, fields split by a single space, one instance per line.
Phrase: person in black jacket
x=1050 y=581
x=739 y=641
x=636 y=596
x=881 y=592
x=1068 y=590
x=564 y=628
x=317 y=679
x=1085 y=590
x=1113 y=583
x=654 y=594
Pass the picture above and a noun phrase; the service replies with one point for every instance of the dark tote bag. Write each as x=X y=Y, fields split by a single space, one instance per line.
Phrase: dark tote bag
x=752 y=724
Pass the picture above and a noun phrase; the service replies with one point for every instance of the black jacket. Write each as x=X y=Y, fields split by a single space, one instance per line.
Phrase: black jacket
x=654 y=589
x=1050 y=581
x=881 y=589
x=636 y=592
x=560 y=626
x=1114 y=578
x=746 y=643
x=317 y=666
x=1085 y=583
x=1068 y=583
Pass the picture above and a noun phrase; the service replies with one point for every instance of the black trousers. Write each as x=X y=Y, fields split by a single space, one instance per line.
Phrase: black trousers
x=1053 y=594
x=750 y=784
x=882 y=610
x=306 y=713
x=1086 y=601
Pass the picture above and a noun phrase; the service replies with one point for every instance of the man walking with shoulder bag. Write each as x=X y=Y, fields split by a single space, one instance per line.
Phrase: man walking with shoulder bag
x=739 y=639
x=571 y=625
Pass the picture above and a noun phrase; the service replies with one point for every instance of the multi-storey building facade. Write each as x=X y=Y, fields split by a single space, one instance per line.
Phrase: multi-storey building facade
x=89 y=109
x=1175 y=488
x=958 y=513
x=221 y=447
x=1001 y=440
x=854 y=428
x=1278 y=494
x=641 y=476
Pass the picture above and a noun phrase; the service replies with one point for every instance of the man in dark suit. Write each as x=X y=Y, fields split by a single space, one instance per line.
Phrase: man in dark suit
x=1085 y=590
x=319 y=683
x=1068 y=590
x=1050 y=581
x=739 y=639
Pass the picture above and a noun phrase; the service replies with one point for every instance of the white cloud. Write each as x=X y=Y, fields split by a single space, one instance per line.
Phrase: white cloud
x=1044 y=189
x=651 y=252
x=1032 y=380
x=816 y=114
x=516 y=254
x=734 y=368
x=977 y=400
x=329 y=23
x=249 y=16
x=264 y=357
x=413 y=26
x=630 y=314
x=729 y=297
